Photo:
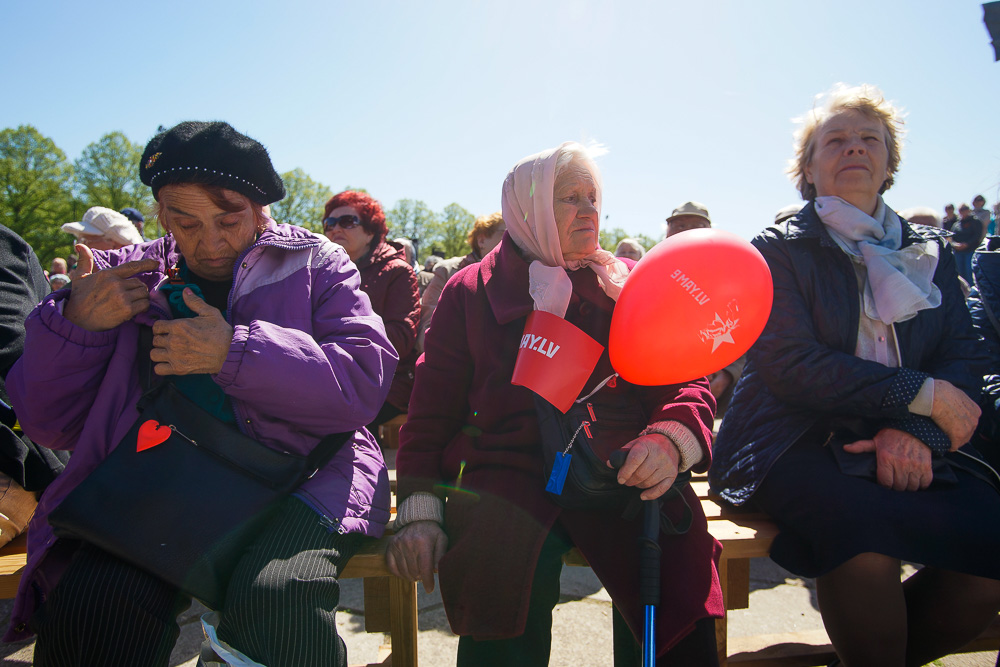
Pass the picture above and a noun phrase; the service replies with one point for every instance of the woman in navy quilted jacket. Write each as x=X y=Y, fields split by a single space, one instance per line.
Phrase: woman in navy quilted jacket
x=850 y=423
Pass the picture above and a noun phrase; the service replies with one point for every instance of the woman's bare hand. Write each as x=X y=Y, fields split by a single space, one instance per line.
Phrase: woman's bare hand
x=415 y=551
x=903 y=461
x=652 y=464
x=191 y=345
x=103 y=300
x=954 y=412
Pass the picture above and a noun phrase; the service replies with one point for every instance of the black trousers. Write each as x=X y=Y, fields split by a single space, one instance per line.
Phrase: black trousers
x=279 y=608
x=531 y=649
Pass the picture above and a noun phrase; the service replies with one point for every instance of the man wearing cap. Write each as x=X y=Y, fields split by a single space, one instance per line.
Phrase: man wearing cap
x=103 y=229
x=137 y=218
x=694 y=215
x=689 y=215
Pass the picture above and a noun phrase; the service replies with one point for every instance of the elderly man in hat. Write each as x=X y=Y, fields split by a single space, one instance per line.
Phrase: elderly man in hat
x=694 y=215
x=103 y=229
x=689 y=215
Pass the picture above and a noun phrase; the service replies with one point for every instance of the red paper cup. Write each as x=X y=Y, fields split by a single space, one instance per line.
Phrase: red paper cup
x=555 y=359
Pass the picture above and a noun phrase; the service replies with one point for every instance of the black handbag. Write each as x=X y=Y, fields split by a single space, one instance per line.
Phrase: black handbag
x=184 y=510
x=582 y=440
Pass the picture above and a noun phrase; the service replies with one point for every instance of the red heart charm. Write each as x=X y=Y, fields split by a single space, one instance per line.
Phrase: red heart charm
x=151 y=434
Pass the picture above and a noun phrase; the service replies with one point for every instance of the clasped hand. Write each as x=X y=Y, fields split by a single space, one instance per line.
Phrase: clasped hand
x=191 y=345
x=903 y=462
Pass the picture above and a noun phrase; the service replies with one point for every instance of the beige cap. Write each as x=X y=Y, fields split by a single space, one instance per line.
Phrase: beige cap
x=690 y=208
x=100 y=221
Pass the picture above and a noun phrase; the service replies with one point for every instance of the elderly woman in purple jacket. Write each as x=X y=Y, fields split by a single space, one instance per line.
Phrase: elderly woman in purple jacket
x=262 y=323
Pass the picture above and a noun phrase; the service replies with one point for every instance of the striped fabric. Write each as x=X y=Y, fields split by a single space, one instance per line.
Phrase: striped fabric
x=283 y=595
x=280 y=610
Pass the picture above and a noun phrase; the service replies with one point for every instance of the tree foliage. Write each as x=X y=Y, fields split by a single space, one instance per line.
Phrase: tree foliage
x=35 y=196
x=107 y=174
x=450 y=231
x=413 y=219
x=40 y=190
x=303 y=202
x=610 y=238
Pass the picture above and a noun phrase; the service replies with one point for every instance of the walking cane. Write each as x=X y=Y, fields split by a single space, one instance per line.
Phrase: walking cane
x=649 y=568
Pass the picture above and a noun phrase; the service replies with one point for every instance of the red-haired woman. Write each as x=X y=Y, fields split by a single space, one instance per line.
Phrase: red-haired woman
x=356 y=221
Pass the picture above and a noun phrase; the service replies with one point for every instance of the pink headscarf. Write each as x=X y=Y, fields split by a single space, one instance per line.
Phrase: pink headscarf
x=530 y=218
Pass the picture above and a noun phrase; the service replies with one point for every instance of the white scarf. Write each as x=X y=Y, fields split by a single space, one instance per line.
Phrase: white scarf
x=899 y=282
x=528 y=212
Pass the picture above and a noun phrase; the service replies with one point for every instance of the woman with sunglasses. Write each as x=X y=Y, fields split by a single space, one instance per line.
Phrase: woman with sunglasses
x=355 y=220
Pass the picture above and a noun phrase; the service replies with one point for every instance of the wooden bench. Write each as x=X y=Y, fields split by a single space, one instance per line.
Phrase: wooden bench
x=391 y=603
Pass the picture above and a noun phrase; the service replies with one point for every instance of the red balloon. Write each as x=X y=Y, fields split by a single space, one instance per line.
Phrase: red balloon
x=693 y=304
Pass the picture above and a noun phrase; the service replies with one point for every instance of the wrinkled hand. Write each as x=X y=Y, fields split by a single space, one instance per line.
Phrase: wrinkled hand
x=652 y=464
x=103 y=300
x=415 y=551
x=193 y=344
x=904 y=463
x=954 y=412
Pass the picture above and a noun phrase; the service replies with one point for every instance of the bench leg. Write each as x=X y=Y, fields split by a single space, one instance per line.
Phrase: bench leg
x=721 y=624
x=403 y=621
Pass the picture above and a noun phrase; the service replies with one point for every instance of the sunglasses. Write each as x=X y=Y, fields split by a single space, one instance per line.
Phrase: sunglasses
x=344 y=222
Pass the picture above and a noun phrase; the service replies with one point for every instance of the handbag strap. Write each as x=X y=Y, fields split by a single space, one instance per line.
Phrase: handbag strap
x=320 y=455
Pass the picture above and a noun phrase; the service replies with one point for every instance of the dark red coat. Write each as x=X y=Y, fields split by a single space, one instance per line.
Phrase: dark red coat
x=391 y=285
x=469 y=427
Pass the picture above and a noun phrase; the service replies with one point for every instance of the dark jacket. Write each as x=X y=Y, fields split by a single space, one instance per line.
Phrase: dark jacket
x=391 y=286
x=802 y=373
x=984 y=304
x=470 y=428
x=22 y=286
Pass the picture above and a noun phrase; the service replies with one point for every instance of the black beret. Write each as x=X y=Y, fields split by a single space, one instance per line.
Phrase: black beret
x=213 y=154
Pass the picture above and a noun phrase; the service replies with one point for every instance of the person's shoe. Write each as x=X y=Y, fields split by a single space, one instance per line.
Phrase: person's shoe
x=16 y=508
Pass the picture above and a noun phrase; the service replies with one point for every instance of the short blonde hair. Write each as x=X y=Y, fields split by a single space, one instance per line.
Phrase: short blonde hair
x=867 y=100
x=485 y=226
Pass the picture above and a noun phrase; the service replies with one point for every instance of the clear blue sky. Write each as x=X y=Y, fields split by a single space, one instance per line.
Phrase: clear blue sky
x=437 y=100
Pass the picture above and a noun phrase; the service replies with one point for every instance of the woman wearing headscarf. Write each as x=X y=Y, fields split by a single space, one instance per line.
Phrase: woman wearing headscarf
x=261 y=324
x=356 y=221
x=497 y=537
x=849 y=425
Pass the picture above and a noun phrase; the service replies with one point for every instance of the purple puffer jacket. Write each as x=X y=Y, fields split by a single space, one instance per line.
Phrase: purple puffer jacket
x=308 y=358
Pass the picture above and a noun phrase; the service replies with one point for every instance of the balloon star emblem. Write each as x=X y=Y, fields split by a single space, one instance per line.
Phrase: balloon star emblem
x=721 y=330
x=726 y=337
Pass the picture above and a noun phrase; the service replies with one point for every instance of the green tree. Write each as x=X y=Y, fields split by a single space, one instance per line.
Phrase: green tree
x=647 y=241
x=303 y=202
x=35 y=195
x=413 y=219
x=609 y=238
x=451 y=230
x=107 y=174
